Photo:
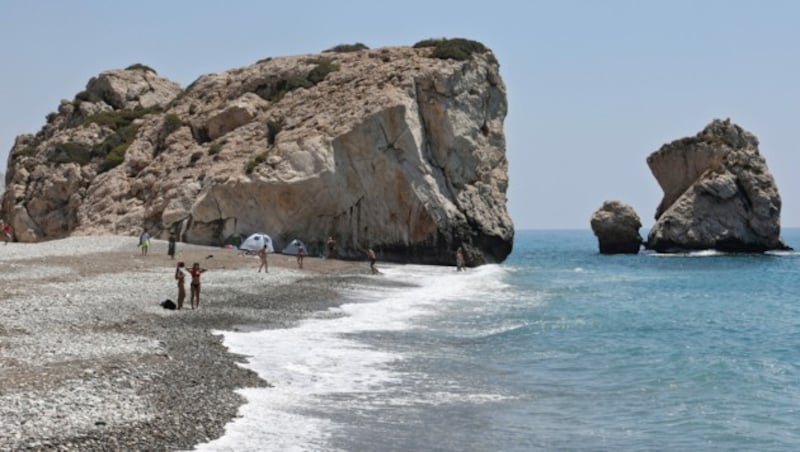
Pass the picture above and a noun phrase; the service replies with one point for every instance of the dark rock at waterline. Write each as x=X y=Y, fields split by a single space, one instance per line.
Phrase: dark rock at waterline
x=616 y=226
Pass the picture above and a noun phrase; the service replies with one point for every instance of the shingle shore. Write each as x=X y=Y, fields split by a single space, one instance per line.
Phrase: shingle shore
x=89 y=360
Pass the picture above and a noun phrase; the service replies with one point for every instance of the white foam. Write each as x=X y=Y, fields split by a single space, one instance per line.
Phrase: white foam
x=787 y=253
x=318 y=358
x=701 y=253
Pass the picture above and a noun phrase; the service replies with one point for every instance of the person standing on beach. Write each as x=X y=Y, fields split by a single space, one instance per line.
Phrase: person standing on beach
x=301 y=252
x=262 y=255
x=144 y=242
x=331 y=248
x=459 y=259
x=171 y=246
x=196 y=271
x=180 y=276
x=372 y=258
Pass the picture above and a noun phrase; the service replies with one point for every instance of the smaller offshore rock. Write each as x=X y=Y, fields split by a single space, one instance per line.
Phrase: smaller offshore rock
x=616 y=226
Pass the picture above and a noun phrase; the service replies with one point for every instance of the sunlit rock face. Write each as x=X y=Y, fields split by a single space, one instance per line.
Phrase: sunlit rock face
x=386 y=148
x=718 y=194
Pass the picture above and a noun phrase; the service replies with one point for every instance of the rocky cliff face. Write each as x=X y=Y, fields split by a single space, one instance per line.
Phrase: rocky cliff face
x=388 y=148
x=718 y=193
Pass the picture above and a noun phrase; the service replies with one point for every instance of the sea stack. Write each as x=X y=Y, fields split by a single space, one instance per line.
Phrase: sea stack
x=718 y=194
x=397 y=149
x=616 y=226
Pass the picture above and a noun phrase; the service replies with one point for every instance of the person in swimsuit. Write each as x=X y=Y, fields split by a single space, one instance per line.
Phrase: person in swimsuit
x=196 y=271
x=180 y=277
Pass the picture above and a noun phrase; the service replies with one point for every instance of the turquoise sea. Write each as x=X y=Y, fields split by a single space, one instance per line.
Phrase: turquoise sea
x=559 y=348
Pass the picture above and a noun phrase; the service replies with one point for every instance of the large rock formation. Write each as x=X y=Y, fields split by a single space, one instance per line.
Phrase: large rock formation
x=392 y=148
x=718 y=194
x=616 y=226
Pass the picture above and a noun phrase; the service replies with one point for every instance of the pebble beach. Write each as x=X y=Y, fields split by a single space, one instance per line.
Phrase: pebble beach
x=89 y=360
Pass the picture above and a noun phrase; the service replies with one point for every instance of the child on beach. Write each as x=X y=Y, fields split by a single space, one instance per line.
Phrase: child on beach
x=262 y=254
x=180 y=277
x=196 y=271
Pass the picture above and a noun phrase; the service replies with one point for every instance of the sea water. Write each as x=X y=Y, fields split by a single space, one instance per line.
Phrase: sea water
x=557 y=348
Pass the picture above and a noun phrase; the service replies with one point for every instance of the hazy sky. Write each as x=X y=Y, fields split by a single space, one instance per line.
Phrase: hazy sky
x=593 y=86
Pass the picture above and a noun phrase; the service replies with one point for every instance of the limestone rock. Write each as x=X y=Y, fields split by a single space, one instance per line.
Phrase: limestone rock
x=718 y=194
x=129 y=89
x=386 y=148
x=616 y=226
x=243 y=110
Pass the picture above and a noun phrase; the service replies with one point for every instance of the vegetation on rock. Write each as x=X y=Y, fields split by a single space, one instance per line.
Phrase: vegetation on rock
x=458 y=49
x=121 y=122
x=114 y=157
x=140 y=67
x=86 y=96
x=117 y=119
x=70 y=153
x=321 y=70
x=195 y=157
x=274 y=92
x=274 y=127
x=215 y=148
x=343 y=48
x=430 y=42
x=171 y=123
x=257 y=160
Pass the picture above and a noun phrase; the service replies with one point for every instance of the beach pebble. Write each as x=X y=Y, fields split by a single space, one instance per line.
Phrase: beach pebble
x=90 y=361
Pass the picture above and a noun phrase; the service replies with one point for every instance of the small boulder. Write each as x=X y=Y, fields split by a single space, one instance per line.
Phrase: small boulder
x=616 y=226
x=128 y=89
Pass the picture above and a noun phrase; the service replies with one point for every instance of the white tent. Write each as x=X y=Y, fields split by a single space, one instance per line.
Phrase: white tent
x=292 y=247
x=257 y=241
